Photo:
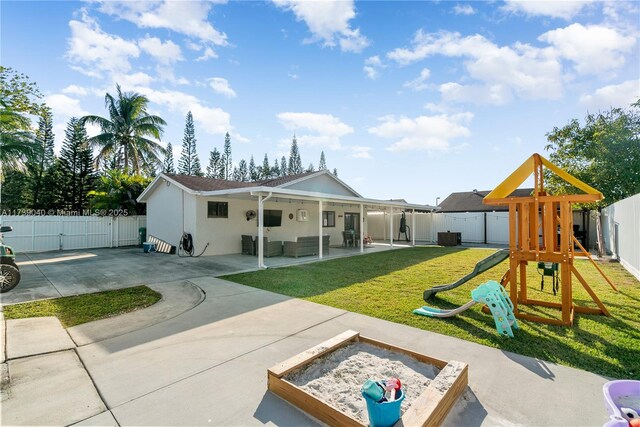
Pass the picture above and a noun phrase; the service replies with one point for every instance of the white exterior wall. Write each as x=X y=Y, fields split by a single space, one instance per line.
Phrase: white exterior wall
x=223 y=234
x=321 y=184
x=165 y=213
x=621 y=230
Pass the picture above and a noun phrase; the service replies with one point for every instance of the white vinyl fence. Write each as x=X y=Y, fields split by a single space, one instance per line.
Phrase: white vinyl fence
x=621 y=230
x=473 y=226
x=48 y=233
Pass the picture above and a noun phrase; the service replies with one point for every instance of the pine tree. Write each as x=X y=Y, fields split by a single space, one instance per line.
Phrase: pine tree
x=275 y=169
x=265 y=169
x=253 y=171
x=189 y=163
x=76 y=167
x=243 y=172
x=15 y=190
x=335 y=172
x=167 y=165
x=295 y=163
x=236 y=175
x=283 y=166
x=322 y=166
x=38 y=165
x=213 y=168
x=310 y=168
x=226 y=155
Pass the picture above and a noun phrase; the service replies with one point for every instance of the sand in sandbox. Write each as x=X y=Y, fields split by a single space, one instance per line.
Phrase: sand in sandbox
x=337 y=377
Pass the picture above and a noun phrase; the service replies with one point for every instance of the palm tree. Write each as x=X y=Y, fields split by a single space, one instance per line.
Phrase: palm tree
x=125 y=134
x=16 y=144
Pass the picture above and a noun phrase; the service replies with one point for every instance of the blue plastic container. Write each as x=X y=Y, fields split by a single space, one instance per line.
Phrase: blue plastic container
x=148 y=247
x=384 y=414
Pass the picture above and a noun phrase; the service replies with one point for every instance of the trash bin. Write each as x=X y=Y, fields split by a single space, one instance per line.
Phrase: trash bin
x=384 y=414
x=142 y=234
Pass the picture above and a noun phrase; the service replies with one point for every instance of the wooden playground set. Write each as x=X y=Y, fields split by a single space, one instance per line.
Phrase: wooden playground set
x=541 y=231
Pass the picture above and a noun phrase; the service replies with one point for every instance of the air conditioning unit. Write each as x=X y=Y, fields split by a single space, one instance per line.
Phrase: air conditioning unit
x=303 y=215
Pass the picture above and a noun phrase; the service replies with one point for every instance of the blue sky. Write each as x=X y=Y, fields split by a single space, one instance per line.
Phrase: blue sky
x=407 y=99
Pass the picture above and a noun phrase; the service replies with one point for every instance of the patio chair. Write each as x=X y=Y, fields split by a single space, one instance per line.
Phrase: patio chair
x=348 y=238
x=270 y=248
x=248 y=246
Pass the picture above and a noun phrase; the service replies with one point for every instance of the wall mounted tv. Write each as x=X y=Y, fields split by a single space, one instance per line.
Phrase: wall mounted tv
x=272 y=218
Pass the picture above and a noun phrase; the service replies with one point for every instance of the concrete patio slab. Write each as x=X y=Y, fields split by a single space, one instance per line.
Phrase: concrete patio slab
x=38 y=335
x=104 y=419
x=217 y=330
x=50 y=389
x=177 y=297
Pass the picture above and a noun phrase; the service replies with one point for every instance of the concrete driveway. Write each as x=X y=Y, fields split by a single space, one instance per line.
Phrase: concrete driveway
x=200 y=356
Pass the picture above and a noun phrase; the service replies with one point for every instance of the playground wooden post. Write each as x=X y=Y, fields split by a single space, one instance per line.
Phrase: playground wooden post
x=541 y=230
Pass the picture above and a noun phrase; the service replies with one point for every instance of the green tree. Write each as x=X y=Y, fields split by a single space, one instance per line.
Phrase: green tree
x=215 y=165
x=129 y=133
x=15 y=190
x=243 y=172
x=167 y=165
x=283 y=166
x=322 y=165
x=265 y=169
x=310 y=168
x=44 y=159
x=335 y=172
x=226 y=155
x=254 y=175
x=295 y=163
x=76 y=166
x=604 y=153
x=20 y=94
x=16 y=144
x=189 y=163
x=117 y=190
x=275 y=169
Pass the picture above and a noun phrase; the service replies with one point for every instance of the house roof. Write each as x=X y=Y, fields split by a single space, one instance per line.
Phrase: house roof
x=471 y=201
x=201 y=183
x=281 y=187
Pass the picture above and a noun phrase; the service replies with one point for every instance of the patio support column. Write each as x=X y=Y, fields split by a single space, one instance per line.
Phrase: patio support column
x=361 y=228
x=320 y=229
x=413 y=227
x=391 y=227
x=260 y=232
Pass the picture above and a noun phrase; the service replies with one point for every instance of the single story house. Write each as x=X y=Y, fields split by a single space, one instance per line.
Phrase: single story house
x=471 y=201
x=218 y=212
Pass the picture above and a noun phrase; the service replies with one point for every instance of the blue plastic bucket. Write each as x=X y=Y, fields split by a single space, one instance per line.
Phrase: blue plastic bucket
x=148 y=247
x=384 y=414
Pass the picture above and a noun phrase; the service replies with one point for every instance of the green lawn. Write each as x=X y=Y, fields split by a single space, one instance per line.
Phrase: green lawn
x=389 y=285
x=88 y=307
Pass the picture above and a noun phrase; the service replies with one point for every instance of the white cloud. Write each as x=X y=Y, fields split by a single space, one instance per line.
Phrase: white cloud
x=326 y=129
x=165 y=53
x=618 y=96
x=75 y=90
x=94 y=51
x=594 y=49
x=208 y=54
x=419 y=83
x=371 y=67
x=222 y=86
x=190 y=18
x=464 y=9
x=425 y=133
x=214 y=121
x=130 y=81
x=565 y=9
x=328 y=21
x=360 y=152
x=503 y=71
x=65 y=106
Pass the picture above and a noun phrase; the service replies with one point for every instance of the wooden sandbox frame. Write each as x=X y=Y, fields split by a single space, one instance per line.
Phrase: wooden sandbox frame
x=429 y=409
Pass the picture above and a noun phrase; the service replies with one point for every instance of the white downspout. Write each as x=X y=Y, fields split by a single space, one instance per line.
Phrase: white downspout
x=320 y=229
x=261 y=229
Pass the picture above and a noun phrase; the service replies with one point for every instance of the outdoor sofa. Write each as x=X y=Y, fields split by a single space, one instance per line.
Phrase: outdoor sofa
x=250 y=246
x=305 y=246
